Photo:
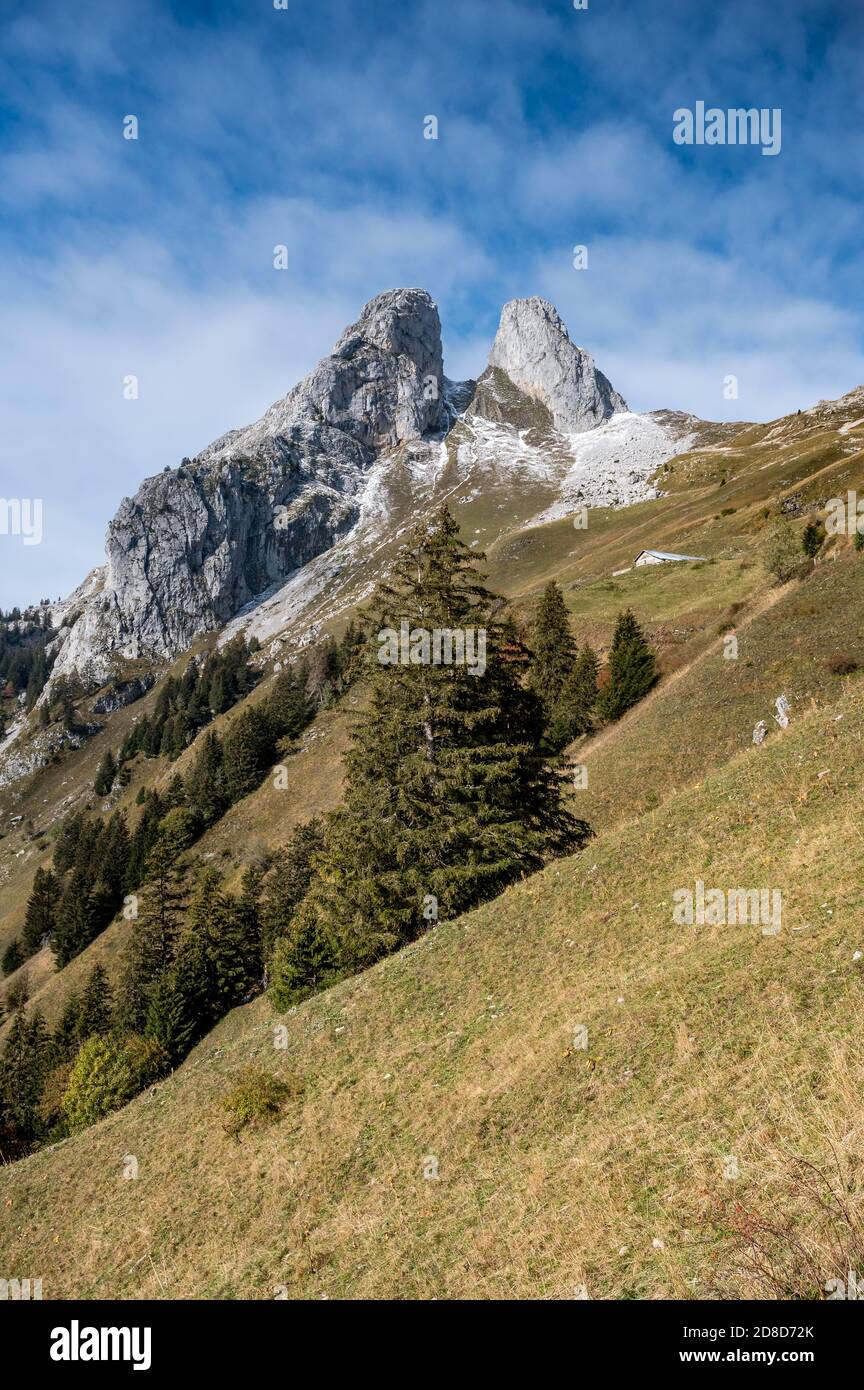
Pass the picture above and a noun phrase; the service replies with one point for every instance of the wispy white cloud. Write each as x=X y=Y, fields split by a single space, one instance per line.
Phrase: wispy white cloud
x=304 y=127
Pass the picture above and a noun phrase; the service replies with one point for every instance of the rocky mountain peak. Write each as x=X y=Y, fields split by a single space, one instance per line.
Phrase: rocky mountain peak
x=535 y=350
x=382 y=384
x=198 y=542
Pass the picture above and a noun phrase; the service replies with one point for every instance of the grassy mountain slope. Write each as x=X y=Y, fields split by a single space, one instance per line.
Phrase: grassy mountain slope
x=557 y=1166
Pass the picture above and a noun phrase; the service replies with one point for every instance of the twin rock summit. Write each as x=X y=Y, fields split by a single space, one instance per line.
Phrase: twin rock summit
x=200 y=542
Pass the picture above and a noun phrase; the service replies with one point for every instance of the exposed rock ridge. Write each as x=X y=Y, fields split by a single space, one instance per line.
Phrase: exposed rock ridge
x=533 y=347
x=198 y=542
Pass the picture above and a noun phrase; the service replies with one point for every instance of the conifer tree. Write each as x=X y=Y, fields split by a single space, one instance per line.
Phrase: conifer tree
x=812 y=539
x=163 y=897
x=305 y=960
x=573 y=714
x=65 y=1040
x=247 y=751
x=63 y=703
x=289 y=707
x=213 y=970
x=68 y=836
x=249 y=924
x=286 y=884
x=206 y=786
x=220 y=693
x=168 y=1020
x=554 y=648
x=143 y=837
x=632 y=669
x=13 y=958
x=94 y=1012
x=105 y=775
x=24 y=1064
x=175 y=794
x=448 y=797
x=41 y=907
x=113 y=853
x=38 y=677
x=77 y=920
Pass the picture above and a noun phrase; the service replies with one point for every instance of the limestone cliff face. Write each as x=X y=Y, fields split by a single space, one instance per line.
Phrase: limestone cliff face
x=198 y=542
x=532 y=346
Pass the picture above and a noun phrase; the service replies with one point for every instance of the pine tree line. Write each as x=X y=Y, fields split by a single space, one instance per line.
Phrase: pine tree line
x=195 y=953
x=97 y=863
x=25 y=663
x=184 y=705
x=196 y=950
x=71 y=903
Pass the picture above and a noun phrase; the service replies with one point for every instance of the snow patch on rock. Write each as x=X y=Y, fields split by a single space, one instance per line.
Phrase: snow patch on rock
x=611 y=466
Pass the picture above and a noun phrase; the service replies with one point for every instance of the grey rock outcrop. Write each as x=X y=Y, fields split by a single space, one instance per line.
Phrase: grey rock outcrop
x=198 y=542
x=123 y=693
x=532 y=346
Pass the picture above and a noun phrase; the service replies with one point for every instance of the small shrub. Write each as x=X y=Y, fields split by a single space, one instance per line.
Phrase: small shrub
x=859 y=540
x=101 y=1081
x=811 y=541
x=770 y=1254
x=257 y=1099
x=782 y=553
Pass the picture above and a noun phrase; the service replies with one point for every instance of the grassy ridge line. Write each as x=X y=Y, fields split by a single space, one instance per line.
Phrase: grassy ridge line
x=557 y=1167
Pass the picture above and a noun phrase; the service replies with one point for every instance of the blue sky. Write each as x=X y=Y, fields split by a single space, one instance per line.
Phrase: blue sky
x=304 y=127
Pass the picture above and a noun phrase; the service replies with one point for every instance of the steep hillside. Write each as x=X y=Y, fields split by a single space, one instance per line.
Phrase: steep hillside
x=710 y=1050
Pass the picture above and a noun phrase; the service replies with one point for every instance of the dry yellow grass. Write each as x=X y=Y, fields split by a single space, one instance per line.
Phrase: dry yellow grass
x=557 y=1166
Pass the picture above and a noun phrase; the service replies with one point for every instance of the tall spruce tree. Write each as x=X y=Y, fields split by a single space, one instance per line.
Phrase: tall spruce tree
x=65 y=1040
x=573 y=714
x=206 y=789
x=106 y=772
x=247 y=751
x=94 y=1013
x=13 y=958
x=553 y=645
x=77 y=920
x=22 y=1074
x=168 y=1020
x=150 y=955
x=632 y=669
x=41 y=909
x=448 y=797
x=288 y=881
x=214 y=968
x=289 y=707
